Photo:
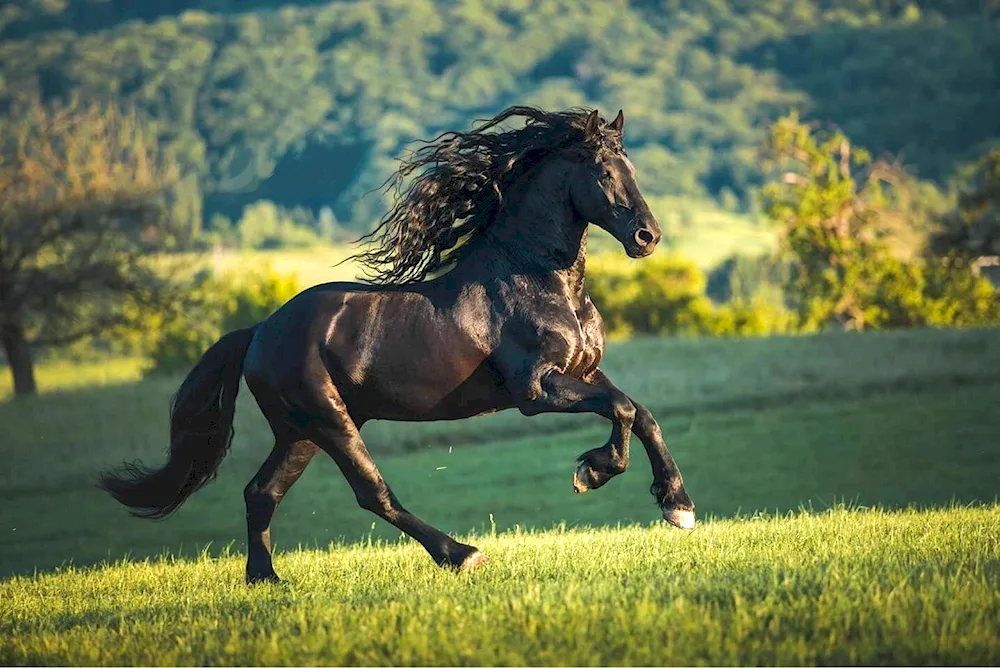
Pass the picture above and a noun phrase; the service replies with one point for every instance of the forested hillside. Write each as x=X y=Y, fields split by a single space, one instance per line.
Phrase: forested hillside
x=309 y=103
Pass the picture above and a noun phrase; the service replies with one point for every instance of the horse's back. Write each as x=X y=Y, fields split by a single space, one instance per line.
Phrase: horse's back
x=390 y=353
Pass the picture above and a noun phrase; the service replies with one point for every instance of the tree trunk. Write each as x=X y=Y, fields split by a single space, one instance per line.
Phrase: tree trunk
x=22 y=367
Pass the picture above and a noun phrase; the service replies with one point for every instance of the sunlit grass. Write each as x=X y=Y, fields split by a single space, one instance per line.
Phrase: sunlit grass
x=846 y=587
x=708 y=235
x=61 y=375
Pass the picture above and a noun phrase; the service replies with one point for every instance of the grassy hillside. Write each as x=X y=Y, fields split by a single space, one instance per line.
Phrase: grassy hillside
x=842 y=588
x=62 y=375
x=319 y=264
x=705 y=234
x=904 y=421
x=891 y=419
x=698 y=230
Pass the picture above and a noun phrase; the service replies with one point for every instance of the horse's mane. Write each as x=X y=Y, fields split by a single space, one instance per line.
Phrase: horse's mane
x=458 y=185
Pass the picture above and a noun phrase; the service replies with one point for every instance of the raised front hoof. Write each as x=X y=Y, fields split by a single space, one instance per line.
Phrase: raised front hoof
x=580 y=476
x=586 y=477
x=261 y=577
x=682 y=519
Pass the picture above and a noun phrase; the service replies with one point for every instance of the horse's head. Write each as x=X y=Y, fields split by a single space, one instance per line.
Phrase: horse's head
x=604 y=190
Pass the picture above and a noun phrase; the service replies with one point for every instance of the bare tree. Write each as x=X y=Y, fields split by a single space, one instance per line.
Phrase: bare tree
x=81 y=216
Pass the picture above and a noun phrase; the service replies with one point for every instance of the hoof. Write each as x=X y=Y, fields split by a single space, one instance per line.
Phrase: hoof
x=579 y=486
x=473 y=562
x=682 y=519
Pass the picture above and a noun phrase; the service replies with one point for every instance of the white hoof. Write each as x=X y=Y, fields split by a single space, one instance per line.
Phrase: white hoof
x=474 y=561
x=682 y=519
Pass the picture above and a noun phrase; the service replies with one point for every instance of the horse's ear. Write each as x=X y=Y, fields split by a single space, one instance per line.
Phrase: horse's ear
x=590 y=129
x=618 y=123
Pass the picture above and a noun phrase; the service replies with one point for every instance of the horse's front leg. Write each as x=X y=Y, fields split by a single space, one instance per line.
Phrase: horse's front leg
x=668 y=485
x=556 y=392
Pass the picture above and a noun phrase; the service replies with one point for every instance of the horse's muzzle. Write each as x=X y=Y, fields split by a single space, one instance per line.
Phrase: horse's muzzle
x=644 y=242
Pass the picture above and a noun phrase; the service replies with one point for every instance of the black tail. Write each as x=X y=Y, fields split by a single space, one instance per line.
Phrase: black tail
x=201 y=431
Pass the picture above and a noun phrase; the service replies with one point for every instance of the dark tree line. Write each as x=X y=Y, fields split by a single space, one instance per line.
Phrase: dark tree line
x=309 y=103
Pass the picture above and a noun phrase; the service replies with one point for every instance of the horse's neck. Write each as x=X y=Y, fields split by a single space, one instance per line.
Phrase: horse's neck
x=537 y=232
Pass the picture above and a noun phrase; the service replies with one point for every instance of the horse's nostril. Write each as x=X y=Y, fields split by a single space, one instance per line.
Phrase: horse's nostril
x=644 y=237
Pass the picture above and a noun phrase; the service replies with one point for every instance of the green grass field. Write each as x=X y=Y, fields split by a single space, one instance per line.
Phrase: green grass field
x=890 y=420
x=845 y=587
x=65 y=375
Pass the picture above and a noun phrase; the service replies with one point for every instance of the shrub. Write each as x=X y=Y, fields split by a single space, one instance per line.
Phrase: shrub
x=666 y=295
x=757 y=316
x=937 y=292
x=219 y=304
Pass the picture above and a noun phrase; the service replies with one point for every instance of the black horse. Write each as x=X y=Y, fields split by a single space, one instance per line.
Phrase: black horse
x=476 y=304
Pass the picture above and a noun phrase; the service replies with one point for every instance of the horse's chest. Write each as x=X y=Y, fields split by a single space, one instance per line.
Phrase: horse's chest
x=587 y=348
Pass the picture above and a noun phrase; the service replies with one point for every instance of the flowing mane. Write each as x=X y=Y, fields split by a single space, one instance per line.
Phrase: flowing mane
x=476 y=340
x=458 y=184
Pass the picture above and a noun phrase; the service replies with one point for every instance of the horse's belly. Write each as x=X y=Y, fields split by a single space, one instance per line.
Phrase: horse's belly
x=429 y=397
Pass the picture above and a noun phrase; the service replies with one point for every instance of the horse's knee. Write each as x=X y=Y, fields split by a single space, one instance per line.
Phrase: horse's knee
x=623 y=409
x=378 y=501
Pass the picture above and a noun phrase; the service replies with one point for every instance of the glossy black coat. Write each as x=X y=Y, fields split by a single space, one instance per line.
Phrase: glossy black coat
x=509 y=326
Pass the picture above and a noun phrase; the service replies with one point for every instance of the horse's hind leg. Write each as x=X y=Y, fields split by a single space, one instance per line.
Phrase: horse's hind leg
x=336 y=433
x=279 y=472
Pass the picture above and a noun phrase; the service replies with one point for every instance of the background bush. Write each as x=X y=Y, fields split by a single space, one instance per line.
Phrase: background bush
x=219 y=304
x=666 y=294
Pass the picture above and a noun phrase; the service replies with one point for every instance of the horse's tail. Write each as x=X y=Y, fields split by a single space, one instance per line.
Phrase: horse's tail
x=201 y=431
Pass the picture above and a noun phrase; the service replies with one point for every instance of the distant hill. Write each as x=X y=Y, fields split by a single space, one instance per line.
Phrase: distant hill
x=309 y=103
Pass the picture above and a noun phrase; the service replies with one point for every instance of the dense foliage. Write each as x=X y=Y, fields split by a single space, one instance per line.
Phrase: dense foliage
x=972 y=230
x=308 y=103
x=666 y=294
x=81 y=208
x=219 y=303
x=831 y=215
x=843 y=260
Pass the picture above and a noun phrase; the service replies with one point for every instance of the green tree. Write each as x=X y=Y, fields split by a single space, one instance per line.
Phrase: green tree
x=827 y=222
x=310 y=102
x=834 y=208
x=81 y=207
